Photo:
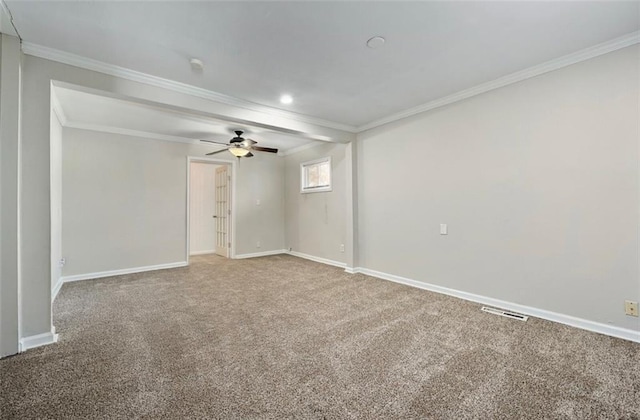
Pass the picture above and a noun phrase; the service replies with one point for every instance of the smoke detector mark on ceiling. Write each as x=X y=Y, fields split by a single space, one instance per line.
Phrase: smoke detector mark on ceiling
x=375 y=42
x=196 y=64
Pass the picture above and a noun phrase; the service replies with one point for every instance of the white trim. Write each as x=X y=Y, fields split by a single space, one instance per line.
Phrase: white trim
x=19 y=218
x=136 y=76
x=149 y=135
x=38 y=340
x=57 y=109
x=117 y=71
x=584 y=324
x=128 y=132
x=5 y=16
x=205 y=117
x=300 y=148
x=317 y=259
x=261 y=254
x=205 y=252
x=56 y=289
x=555 y=64
x=111 y=273
x=303 y=176
x=56 y=273
x=232 y=201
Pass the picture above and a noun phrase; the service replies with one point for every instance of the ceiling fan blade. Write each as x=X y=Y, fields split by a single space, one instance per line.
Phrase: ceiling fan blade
x=248 y=155
x=217 y=151
x=264 y=149
x=216 y=142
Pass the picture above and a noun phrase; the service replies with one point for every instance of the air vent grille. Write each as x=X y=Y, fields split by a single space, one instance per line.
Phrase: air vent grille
x=508 y=314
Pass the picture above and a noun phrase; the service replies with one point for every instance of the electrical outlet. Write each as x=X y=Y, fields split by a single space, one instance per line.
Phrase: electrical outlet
x=631 y=308
x=341 y=247
x=62 y=262
x=258 y=244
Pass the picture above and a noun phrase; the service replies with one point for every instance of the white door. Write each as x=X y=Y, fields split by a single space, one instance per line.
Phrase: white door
x=202 y=205
x=222 y=211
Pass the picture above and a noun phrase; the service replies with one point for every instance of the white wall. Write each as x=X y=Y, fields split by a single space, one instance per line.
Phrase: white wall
x=316 y=222
x=577 y=100
x=35 y=224
x=260 y=178
x=9 y=192
x=124 y=201
x=538 y=182
x=202 y=207
x=56 y=201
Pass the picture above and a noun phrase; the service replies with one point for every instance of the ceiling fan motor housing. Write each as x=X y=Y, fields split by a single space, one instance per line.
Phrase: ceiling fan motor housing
x=238 y=138
x=241 y=147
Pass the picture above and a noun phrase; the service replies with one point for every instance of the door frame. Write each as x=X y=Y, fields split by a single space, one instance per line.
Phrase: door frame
x=232 y=200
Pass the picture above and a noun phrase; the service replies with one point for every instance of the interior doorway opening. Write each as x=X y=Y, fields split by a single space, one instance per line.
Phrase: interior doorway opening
x=209 y=207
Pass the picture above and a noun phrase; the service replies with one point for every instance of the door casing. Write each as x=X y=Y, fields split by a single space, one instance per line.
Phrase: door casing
x=231 y=165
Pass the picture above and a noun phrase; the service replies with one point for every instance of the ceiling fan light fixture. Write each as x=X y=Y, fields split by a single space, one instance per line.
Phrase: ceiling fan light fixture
x=238 y=151
x=241 y=147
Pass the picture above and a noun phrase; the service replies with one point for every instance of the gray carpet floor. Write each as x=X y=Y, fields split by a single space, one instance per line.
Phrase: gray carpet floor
x=282 y=337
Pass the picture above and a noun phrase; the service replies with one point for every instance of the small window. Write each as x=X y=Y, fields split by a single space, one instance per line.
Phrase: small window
x=315 y=176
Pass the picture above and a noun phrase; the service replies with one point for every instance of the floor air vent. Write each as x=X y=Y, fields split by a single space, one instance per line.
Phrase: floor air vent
x=507 y=314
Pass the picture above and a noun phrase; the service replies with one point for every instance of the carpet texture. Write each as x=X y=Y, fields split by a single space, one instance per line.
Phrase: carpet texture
x=282 y=337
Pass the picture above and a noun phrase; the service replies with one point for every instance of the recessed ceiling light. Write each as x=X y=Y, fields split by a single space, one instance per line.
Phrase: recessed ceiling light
x=286 y=99
x=375 y=42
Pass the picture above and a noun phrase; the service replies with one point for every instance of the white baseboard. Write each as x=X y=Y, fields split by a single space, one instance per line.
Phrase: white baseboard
x=100 y=274
x=205 y=252
x=584 y=324
x=38 y=340
x=261 y=254
x=56 y=289
x=317 y=259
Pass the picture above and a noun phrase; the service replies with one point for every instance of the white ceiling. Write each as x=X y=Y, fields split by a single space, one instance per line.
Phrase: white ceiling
x=103 y=113
x=316 y=50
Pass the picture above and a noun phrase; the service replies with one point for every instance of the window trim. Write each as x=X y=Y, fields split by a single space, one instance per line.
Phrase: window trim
x=303 y=173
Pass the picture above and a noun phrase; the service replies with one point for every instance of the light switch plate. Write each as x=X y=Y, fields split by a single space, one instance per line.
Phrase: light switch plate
x=443 y=228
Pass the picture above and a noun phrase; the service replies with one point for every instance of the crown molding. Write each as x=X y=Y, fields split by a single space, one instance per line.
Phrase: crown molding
x=154 y=136
x=136 y=76
x=127 y=132
x=6 y=21
x=555 y=64
x=300 y=148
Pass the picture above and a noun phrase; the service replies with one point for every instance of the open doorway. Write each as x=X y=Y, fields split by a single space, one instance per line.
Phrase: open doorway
x=209 y=221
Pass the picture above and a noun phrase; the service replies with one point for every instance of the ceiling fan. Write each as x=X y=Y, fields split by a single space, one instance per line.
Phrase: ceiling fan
x=241 y=147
